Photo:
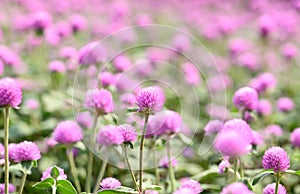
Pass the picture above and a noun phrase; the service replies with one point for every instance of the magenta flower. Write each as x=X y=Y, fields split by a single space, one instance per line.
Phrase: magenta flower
x=257 y=138
x=25 y=151
x=289 y=51
x=92 y=53
x=10 y=93
x=128 y=133
x=110 y=135
x=110 y=183
x=285 y=104
x=150 y=100
x=122 y=63
x=41 y=20
x=264 y=107
x=263 y=82
x=67 y=132
x=213 y=127
x=185 y=191
x=245 y=98
x=295 y=137
x=68 y=52
x=223 y=165
x=85 y=119
x=191 y=73
x=273 y=130
x=47 y=174
x=270 y=189
x=107 y=79
x=32 y=104
x=100 y=100
x=11 y=188
x=192 y=184
x=78 y=23
x=276 y=158
x=57 y=66
x=164 y=162
x=236 y=188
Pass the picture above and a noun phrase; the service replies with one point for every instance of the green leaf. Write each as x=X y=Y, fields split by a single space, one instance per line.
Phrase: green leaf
x=293 y=172
x=131 y=110
x=54 y=172
x=129 y=144
x=45 y=184
x=34 y=164
x=148 y=186
x=261 y=176
x=246 y=181
x=118 y=190
x=65 y=187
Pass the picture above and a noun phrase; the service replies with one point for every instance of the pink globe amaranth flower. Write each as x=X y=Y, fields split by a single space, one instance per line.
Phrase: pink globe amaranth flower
x=273 y=130
x=248 y=60
x=164 y=162
x=110 y=135
x=84 y=119
x=266 y=25
x=25 y=151
x=264 y=107
x=151 y=192
x=235 y=188
x=295 y=137
x=68 y=52
x=12 y=148
x=40 y=20
x=245 y=98
x=235 y=139
x=9 y=57
x=100 y=100
x=107 y=79
x=57 y=66
x=270 y=189
x=218 y=83
x=213 y=127
x=128 y=133
x=52 y=37
x=92 y=53
x=191 y=73
x=150 y=100
x=110 y=183
x=263 y=82
x=223 y=165
x=192 y=184
x=285 y=104
x=289 y=51
x=127 y=99
x=78 y=23
x=166 y=122
x=47 y=173
x=276 y=158
x=181 y=43
x=67 y=132
x=10 y=93
x=32 y=104
x=122 y=63
x=185 y=191
x=237 y=46
x=257 y=138
x=11 y=188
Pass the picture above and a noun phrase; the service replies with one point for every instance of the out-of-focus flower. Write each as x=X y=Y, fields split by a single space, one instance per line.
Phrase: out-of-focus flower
x=10 y=93
x=289 y=51
x=263 y=82
x=237 y=46
x=264 y=107
x=110 y=135
x=25 y=151
x=245 y=98
x=92 y=53
x=107 y=79
x=67 y=132
x=122 y=63
x=68 y=52
x=2 y=151
x=276 y=158
x=127 y=99
x=248 y=60
x=223 y=165
x=78 y=23
x=164 y=162
x=41 y=20
x=85 y=119
x=266 y=25
x=32 y=104
x=273 y=130
x=295 y=137
x=270 y=189
x=285 y=104
x=150 y=100
x=47 y=173
x=185 y=191
x=110 y=183
x=257 y=138
x=11 y=188
x=192 y=184
x=100 y=100
x=128 y=132
x=57 y=66
x=236 y=188
x=181 y=43
x=191 y=73
x=213 y=127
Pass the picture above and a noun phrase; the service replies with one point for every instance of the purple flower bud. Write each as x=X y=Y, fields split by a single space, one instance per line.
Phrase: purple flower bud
x=10 y=93
x=270 y=189
x=25 y=151
x=110 y=135
x=100 y=100
x=47 y=174
x=285 y=104
x=150 y=100
x=67 y=132
x=263 y=82
x=121 y=63
x=41 y=20
x=236 y=188
x=248 y=60
x=110 y=183
x=128 y=133
x=276 y=158
x=107 y=79
x=295 y=137
x=245 y=98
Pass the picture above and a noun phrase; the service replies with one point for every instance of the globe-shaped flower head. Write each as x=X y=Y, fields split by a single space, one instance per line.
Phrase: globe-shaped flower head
x=67 y=132
x=295 y=137
x=100 y=100
x=110 y=135
x=10 y=93
x=236 y=188
x=25 y=151
x=192 y=184
x=270 y=189
x=245 y=98
x=110 y=183
x=276 y=158
x=128 y=133
x=150 y=100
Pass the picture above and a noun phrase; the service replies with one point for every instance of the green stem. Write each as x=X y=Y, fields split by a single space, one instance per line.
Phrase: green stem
x=23 y=182
x=241 y=169
x=277 y=182
x=141 y=153
x=100 y=175
x=129 y=168
x=157 y=176
x=73 y=168
x=235 y=168
x=6 y=139
x=54 y=188
x=171 y=170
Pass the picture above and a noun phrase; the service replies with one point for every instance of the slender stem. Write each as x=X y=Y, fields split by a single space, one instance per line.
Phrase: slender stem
x=241 y=168
x=6 y=139
x=141 y=153
x=100 y=176
x=157 y=176
x=129 y=168
x=171 y=170
x=277 y=182
x=54 y=188
x=23 y=182
x=90 y=163
x=73 y=168
x=235 y=168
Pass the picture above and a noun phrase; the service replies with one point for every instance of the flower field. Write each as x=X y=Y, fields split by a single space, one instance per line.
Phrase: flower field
x=149 y=97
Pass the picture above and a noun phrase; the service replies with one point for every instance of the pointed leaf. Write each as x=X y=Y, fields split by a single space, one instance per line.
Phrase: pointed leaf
x=45 y=184
x=54 y=172
x=131 y=110
x=119 y=190
x=261 y=176
x=65 y=187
